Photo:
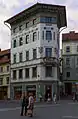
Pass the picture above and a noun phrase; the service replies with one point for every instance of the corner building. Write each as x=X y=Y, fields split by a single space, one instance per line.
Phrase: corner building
x=35 y=50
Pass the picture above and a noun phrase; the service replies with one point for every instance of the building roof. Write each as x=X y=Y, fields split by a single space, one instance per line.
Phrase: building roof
x=4 y=52
x=4 y=56
x=71 y=36
x=40 y=7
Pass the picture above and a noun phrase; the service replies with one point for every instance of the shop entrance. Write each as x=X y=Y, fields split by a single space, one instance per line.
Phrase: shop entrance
x=17 y=92
x=48 y=92
x=68 y=88
x=31 y=89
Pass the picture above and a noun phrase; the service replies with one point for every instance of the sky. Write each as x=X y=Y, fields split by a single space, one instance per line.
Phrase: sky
x=9 y=8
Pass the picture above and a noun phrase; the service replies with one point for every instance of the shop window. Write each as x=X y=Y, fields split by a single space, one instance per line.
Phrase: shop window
x=34 y=72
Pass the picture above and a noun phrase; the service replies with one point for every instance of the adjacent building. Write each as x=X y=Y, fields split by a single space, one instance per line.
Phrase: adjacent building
x=70 y=62
x=35 y=49
x=4 y=74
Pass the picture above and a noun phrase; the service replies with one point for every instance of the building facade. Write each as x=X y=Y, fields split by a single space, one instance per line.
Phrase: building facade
x=4 y=74
x=70 y=62
x=35 y=50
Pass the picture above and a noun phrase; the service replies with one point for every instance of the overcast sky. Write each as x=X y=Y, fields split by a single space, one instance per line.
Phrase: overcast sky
x=9 y=8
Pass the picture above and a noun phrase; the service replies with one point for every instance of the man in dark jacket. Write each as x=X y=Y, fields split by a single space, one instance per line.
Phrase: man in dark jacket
x=24 y=104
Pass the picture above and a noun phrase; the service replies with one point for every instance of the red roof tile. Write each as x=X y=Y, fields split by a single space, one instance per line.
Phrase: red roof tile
x=70 y=36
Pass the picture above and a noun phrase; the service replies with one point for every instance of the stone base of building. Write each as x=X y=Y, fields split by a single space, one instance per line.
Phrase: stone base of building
x=40 y=89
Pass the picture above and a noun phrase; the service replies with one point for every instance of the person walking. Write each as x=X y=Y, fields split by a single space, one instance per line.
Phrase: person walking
x=31 y=105
x=24 y=104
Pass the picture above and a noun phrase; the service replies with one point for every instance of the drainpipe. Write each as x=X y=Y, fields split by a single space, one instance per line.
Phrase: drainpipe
x=10 y=58
x=58 y=72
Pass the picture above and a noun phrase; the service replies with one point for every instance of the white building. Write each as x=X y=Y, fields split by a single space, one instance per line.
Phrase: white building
x=35 y=49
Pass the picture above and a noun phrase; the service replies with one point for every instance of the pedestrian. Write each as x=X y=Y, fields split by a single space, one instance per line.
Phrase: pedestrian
x=31 y=105
x=24 y=104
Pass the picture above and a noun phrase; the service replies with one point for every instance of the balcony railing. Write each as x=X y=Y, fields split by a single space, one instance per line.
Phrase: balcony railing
x=50 y=61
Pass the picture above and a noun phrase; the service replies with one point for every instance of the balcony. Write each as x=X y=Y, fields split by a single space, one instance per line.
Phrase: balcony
x=50 y=61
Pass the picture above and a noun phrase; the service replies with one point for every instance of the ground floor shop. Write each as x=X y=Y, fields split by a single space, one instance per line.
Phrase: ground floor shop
x=70 y=87
x=39 y=89
x=4 y=92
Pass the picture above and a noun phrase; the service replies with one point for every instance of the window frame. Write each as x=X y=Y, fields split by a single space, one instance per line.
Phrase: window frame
x=48 y=35
x=34 y=72
x=20 y=41
x=67 y=49
x=34 y=54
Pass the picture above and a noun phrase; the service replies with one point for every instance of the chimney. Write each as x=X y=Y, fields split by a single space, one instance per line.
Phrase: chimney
x=72 y=31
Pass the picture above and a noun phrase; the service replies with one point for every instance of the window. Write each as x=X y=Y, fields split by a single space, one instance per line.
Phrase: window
x=7 y=80
x=34 y=21
x=67 y=74
x=48 y=35
x=48 y=52
x=54 y=35
x=14 y=58
x=67 y=61
x=77 y=60
x=48 y=19
x=27 y=73
x=67 y=48
x=20 y=73
x=77 y=48
x=27 y=55
x=7 y=68
x=48 y=71
x=27 y=39
x=27 y=24
x=14 y=30
x=1 y=69
x=14 y=74
x=20 y=27
x=43 y=35
x=34 y=72
x=20 y=57
x=34 y=36
x=1 y=81
x=20 y=41
x=14 y=44
x=34 y=53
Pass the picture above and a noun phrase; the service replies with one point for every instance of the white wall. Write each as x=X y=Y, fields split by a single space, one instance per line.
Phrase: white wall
x=38 y=43
x=73 y=47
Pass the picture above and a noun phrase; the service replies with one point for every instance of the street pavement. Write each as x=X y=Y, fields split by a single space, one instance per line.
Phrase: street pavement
x=61 y=110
